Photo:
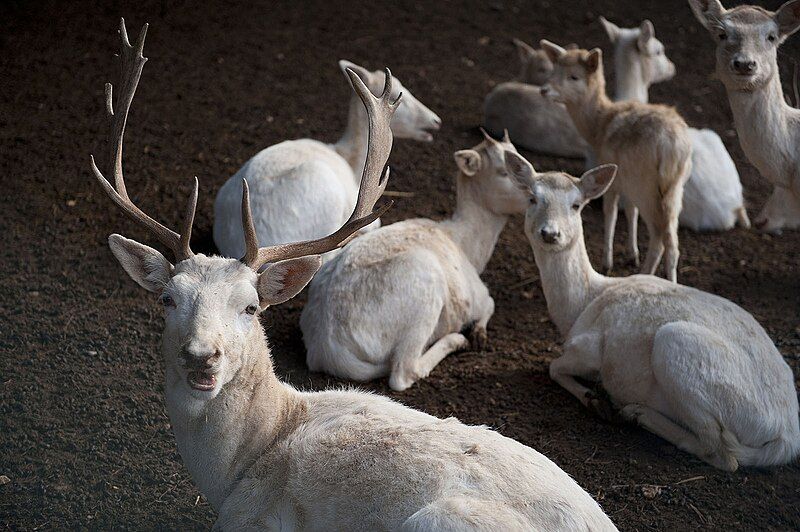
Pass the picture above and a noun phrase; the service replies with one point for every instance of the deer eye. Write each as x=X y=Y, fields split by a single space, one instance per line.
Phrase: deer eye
x=167 y=300
x=722 y=36
x=251 y=309
x=771 y=37
x=573 y=77
x=532 y=200
x=576 y=206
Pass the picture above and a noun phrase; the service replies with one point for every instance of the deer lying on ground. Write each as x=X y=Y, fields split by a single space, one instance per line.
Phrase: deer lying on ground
x=397 y=300
x=304 y=189
x=650 y=143
x=689 y=366
x=712 y=197
x=533 y=122
x=269 y=457
x=748 y=38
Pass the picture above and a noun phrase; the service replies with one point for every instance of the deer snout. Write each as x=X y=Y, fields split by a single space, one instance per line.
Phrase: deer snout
x=743 y=65
x=549 y=234
x=200 y=355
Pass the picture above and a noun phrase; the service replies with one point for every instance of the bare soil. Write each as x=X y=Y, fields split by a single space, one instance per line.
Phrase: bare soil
x=84 y=437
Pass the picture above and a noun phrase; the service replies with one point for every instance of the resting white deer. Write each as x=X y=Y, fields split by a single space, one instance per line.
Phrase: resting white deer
x=396 y=300
x=689 y=366
x=303 y=189
x=748 y=38
x=533 y=122
x=269 y=457
x=712 y=197
x=650 y=143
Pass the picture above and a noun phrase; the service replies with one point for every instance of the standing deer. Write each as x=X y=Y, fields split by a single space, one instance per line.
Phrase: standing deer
x=532 y=121
x=712 y=197
x=748 y=38
x=269 y=457
x=689 y=366
x=304 y=189
x=650 y=143
x=397 y=300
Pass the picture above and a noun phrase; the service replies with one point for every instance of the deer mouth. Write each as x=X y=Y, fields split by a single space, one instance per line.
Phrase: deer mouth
x=203 y=381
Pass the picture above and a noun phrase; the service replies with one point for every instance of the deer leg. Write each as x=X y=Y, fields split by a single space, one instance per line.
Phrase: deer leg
x=610 y=204
x=632 y=215
x=655 y=248
x=410 y=365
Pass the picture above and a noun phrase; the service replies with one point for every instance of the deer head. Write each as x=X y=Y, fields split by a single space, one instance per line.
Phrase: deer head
x=576 y=74
x=483 y=170
x=211 y=303
x=412 y=120
x=553 y=219
x=747 y=39
x=639 y=46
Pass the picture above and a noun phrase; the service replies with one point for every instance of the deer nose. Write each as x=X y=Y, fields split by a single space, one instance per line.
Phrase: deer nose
x=744 y=66
x=437 y=122
x=549 y=235
x=201 y=355
x=544 y=90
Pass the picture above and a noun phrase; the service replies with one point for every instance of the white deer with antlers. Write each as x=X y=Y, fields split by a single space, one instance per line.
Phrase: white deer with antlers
x=303 y=189
x=269 y=457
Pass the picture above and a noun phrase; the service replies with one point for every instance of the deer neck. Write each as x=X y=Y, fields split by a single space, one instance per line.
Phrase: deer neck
x=353 y=144
x=762 y=119
x=474 y=227
x=592 y=114
x=219 y=440
x=630 y=83
x=569 y=282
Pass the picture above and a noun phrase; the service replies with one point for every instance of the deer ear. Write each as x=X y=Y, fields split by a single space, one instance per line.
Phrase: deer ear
x=524 y=50
x=646 y=32
x=521 y=171
x=596 y=181
x=612 y=29
x=788 y=18
x=363 y=73
x=283 y=280
x=144 y=264
x=708 y=12
x=468 y=161
x=593 y=60
x=552 y=50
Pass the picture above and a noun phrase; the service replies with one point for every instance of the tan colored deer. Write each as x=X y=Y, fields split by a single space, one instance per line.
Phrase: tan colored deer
x=650 y=144
x=269 y=457
x=748 y=38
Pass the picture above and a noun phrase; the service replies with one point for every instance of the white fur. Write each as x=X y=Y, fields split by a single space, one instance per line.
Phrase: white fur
x=269 y=457
x=396 y=300
x=712 y=197
x=768 y=128
x=304 y=189
x=689 y=366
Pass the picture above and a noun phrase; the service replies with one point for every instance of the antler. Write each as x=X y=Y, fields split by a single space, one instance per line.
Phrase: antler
x=373 y=183
x=131 y=70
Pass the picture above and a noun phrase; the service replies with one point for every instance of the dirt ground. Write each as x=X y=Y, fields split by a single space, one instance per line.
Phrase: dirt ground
x=84 y=437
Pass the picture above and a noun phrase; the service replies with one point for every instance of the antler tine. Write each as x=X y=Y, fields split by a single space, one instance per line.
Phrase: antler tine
x=132 y=62
x=250 y=237
x=506 y=138
x=373 y=182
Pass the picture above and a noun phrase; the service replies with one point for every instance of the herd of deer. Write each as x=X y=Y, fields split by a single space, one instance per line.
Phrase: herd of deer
x=691 y=367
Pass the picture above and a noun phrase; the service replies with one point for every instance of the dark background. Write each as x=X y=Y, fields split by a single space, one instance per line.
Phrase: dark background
x=84 y=436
